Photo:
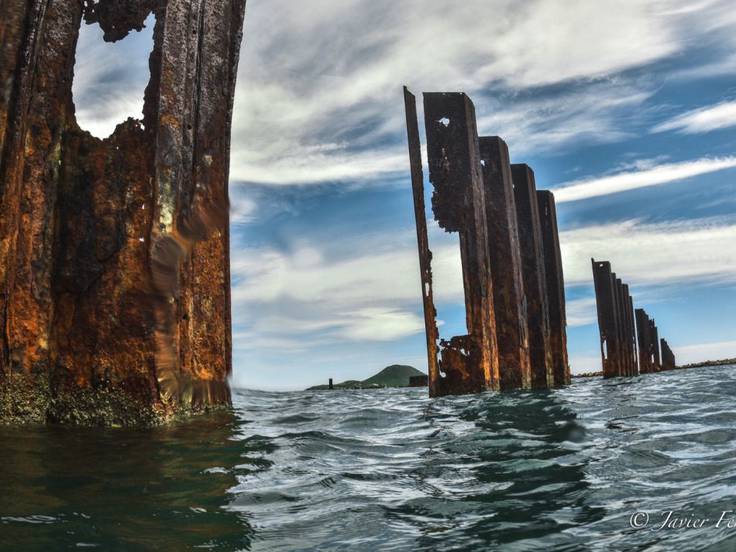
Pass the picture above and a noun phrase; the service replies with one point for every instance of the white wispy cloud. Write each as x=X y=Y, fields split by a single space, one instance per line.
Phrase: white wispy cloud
x=372 y=294
x=581 y=312
x=592 y=113
x=722 y=65
x=704 y=119
x=319 y=84
x=664 y=173
x=308 y=295
x=663 y=253
x=700 y=352
x=318 y=97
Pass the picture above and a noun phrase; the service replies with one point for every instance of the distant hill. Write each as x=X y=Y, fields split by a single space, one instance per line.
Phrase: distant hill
x=396 y=375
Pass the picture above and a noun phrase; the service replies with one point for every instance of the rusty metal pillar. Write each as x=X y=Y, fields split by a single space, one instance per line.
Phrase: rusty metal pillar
x=673 y=359
x=505 y=256
x=626 y=332
x=624 y=350
x=605 y=297
x=655 y=346
x=533 y=269
x=470 y=362
x=425 y=255
x=555 y=286
x=668 y=357
x=629 y=332
x=114 y=253
x=626 y=303
x=620 y=344
x=644 y=340
x=632 y=337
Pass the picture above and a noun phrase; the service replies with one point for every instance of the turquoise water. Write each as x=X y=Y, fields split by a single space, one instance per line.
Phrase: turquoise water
x=391 y=470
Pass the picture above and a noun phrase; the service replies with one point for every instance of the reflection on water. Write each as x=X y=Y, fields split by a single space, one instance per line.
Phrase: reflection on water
x=125 y=490
x=389 y=470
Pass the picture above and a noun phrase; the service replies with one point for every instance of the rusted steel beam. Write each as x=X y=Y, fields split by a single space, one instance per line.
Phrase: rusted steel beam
x=632 y=337
x=533 y=269
x=470 y=362
x=646 y=360
x=505 y=258
x=425 y=255
x=114 y=254
x=625 y=334
x=620 y=334
x=555 y=286
x=654 y=332
x=668 y=357
x=623 y=328
x=605 y=297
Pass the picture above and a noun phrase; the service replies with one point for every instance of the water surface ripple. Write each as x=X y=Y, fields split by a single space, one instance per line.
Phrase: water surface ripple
x=391 y=470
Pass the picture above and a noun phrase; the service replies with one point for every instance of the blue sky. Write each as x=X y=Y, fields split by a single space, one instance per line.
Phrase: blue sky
x=625 y=108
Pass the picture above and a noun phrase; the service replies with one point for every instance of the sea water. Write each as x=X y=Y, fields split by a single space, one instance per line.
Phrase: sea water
x=622 y=464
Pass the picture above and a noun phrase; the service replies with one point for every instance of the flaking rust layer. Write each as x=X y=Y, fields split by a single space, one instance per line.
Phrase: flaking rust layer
x=535 y=278
x=555 y=285
x=504 y=254
x=469 y=362
x=114 y=253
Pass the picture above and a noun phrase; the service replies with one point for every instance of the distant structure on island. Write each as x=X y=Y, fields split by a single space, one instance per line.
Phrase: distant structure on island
x=396 y=375
x=510 y=251
x=629 y=339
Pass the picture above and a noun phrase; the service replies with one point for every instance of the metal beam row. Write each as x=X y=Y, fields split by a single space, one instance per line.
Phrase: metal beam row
x=629 y=339
x=510 y=252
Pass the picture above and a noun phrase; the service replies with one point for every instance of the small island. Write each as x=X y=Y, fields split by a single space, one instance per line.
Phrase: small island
x=396 y=375
x=722 y=362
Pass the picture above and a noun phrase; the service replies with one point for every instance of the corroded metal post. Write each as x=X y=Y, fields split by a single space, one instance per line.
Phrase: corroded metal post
x=425 y=255
x=605 y=296
x=114 y=254
x=655 y=344
x=632 y=337
x=628 y=332
x=533 y=269
x=646 y=360
x=629 y=338
x=668 y=357
x=505 y=257
x=621 y=327
x=470 y=362
x=555 y=286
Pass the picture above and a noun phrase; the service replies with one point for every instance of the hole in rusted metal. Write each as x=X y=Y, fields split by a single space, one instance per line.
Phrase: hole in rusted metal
x=111 y=72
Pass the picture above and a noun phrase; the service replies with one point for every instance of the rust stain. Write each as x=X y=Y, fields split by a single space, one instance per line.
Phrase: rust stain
x=555 y=285
x=535 y=277
x=504 y=251
x=470 y=363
